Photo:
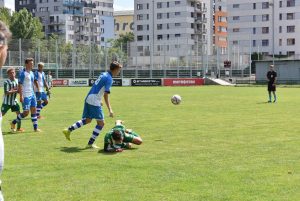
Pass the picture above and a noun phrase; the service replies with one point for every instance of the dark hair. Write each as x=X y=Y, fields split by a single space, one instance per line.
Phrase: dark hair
x=114 y=65
x=4 y=33
x=117 y=135
x=28 y=60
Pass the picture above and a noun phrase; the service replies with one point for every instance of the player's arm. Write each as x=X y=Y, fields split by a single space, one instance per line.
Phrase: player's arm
x=110 y=148
x=11 y=91
x=106 y=99
x=46 y=85
x=20 y=89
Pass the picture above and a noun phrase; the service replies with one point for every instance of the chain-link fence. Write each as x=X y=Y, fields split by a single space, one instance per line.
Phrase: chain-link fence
x=178 y=58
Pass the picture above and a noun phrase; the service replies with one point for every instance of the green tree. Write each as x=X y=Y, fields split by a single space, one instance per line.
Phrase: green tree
x=24 y=25
x=5 y=15
x=123 y=40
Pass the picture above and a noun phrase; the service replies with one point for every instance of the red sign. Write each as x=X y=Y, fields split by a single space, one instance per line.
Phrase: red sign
x=60 y=83
x=183 y=82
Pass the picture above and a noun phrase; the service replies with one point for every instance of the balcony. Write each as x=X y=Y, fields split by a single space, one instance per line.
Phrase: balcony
x=90 y=5
x=73 y=12
x=51 y=31
x=200 y=20
x=54 y=22
x=73 y=3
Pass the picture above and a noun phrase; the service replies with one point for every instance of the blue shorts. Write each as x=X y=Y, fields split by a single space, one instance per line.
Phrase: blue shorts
x=29 y=102
x=92 y=112
x=41 y=96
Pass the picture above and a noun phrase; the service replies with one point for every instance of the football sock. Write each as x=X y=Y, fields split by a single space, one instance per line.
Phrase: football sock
x=18 y=119
x=275 y=97
x=34 y=121
x=38 y=110
x=78 y=124
x=18 y=125
x=95 y=134
x=270 y=96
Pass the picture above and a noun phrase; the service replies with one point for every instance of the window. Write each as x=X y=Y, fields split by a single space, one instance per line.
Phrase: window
x=235 y=30
x=265 y=17
x=254 y=6
x=290 y=53
x=139 y=6
x=159 y=15
x=280 y=42
x=235 y=5
x=139 y=38
x=265 y=5
x=236 y=17
x=265 y=42
x=177 y=35
x=177 y=24
x=290 y=41
x=159 y=26
x=56 y=8
x=139 y=17
x=280 y=16
x=254 y=18
x=254 y=30
x=159 y=37
x=280 y=29
x=139 y=27
x=177 y=13
x=159 y=5
x=168 y=4
x=290 y=3
x=235 y=42
x=290 y=16
x=265 y=30
x=140 y=48
x=254 y=43
x=280 y=4
x=290 y=29
x=177 y=2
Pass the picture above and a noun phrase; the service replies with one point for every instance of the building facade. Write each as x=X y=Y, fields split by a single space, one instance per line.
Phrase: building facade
x=123 y=22
x=168 y=33
x=1 y=3
x=220 y=26
x=265 y=27
x=76 y=21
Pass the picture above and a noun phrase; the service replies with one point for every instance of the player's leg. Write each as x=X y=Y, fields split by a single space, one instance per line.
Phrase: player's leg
x=26 y=107
x=4 y=109
x=44 y=102
x=95 y=112
x=275 y=97
x=133 y=137
x=33 y=105
x=16 y=109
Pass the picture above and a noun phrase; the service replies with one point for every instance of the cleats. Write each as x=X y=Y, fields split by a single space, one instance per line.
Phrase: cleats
x=20 y=130
x=67 y=134
x=37 y=130
x=92 y=146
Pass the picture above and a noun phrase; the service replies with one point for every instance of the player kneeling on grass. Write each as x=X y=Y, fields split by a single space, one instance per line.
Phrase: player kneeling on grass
x=10 y=96
x=119 y=138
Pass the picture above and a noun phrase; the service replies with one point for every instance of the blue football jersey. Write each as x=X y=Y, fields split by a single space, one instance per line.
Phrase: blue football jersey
x=101 y=85
x=26 y=79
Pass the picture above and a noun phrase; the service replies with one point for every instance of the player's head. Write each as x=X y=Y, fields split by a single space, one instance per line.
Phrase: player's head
x=11 y=73
x=29 y=63
x=4 y=36
x=49 y=72
x=117 y=135
x=271 y=67
x=40 y=66
x=115 y=68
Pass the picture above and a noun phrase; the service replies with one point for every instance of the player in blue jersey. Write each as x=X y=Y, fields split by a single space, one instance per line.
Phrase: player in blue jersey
x=27 y=96
x=40 y=83
x=92 y=104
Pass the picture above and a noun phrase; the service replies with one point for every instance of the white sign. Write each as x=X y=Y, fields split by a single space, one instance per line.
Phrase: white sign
x=78 y=83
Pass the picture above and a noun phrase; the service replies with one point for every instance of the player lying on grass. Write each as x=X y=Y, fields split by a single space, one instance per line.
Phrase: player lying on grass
x=119 y=138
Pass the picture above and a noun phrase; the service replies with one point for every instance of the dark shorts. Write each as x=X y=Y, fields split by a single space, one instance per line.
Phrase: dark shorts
x=271 y=87
x=13 y=108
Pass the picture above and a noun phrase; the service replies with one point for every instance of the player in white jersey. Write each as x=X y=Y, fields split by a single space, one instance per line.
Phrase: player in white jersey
x=27 y=96
x=39 y=84
x=92 y=106
x=4 y=36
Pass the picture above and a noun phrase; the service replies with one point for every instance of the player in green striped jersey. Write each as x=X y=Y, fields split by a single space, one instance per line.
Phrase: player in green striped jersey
x=10 y=96
x=119 y=138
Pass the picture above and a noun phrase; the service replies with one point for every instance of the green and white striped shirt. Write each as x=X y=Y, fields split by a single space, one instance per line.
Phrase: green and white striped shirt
x=10 y=99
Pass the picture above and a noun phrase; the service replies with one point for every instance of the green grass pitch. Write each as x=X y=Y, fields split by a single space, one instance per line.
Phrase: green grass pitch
x=220 y=143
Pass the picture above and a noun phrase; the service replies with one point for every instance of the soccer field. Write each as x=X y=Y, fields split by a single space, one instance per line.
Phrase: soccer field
x=220 y=143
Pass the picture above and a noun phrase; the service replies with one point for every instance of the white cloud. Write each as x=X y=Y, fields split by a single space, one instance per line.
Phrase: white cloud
x=10 y=4
x=118 y=8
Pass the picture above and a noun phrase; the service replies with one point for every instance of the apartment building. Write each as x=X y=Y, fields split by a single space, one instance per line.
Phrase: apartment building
x=76 y=21
x=1 y=3
x=168 y=31
x=220 y=25
x=123 y=22
x=264 y=26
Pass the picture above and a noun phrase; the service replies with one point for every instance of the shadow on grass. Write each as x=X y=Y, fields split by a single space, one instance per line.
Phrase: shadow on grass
x=101 y=151
x=16 y=133
x=72 y=149
x=264 y=102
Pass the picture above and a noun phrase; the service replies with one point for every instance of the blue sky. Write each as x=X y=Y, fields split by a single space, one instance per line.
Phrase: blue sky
x=119 y=4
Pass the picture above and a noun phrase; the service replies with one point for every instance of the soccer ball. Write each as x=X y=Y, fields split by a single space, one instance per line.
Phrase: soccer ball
x=176 y=99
